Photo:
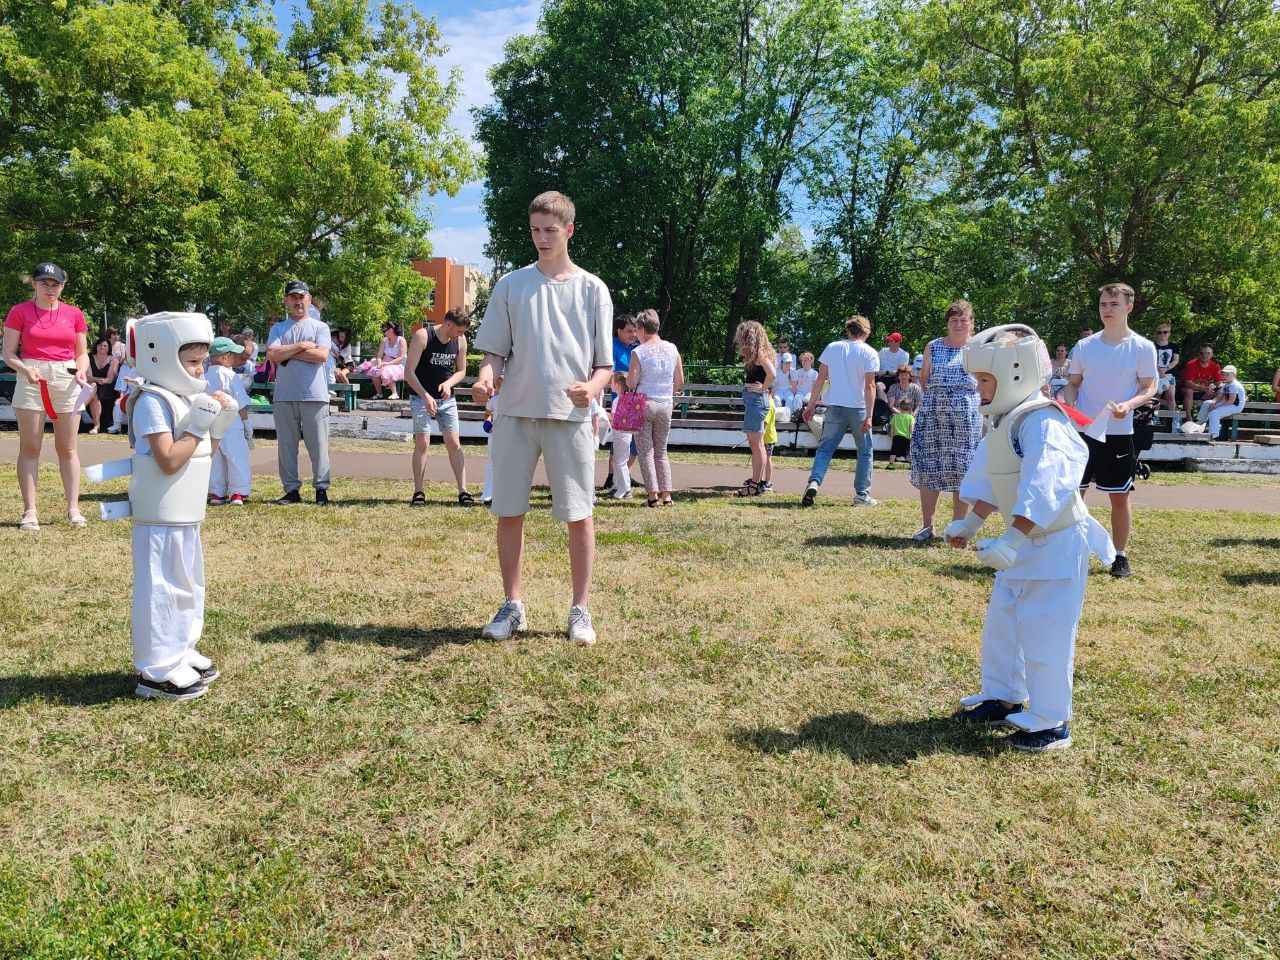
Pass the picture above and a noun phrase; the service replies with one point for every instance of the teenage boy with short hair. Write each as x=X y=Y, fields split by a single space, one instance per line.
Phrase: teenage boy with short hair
x=1201 y=378
x=1167 y=359
x=547 y=332
x=850 y=366
x=1115 y=371
x=437 y=363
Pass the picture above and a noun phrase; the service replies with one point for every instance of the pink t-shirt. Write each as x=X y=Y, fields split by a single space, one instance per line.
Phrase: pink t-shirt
x=46 y=334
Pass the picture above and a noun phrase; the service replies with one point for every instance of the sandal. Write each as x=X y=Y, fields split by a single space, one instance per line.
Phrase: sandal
x=419 y=499
x=30 y=521
x=651 y=503
x=466 y=500
x=748 y=489
x=668 y=502
x=76 y=519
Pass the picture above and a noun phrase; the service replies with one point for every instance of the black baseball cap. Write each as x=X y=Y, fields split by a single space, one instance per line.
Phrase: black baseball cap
x=49 y=271
x=296 y=286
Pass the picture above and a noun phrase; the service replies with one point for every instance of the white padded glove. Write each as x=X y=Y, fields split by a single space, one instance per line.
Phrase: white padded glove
x=1000 y=553
x=248 y=434
x=204 y=411
x=965 y=529
x=222 y=423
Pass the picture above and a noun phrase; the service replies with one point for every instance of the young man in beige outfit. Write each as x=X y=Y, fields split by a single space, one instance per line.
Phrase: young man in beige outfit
x=548 y=332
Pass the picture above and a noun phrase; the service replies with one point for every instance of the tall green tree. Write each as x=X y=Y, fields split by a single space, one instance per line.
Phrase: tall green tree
x=185 y=152
x=1134 y=140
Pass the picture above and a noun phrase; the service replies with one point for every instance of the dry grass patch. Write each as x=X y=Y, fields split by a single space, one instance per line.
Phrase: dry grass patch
x=754 y=761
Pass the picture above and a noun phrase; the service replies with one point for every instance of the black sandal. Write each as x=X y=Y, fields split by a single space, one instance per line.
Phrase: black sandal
x=748 y=489
x=652 y=503
x=466 y=500
x=419 y=499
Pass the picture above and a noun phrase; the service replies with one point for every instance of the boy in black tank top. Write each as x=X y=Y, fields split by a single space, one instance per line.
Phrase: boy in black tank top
x=437 y=363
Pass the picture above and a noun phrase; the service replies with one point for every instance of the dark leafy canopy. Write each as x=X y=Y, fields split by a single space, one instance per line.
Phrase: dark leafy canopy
x=1018 y=154
x=179 y=152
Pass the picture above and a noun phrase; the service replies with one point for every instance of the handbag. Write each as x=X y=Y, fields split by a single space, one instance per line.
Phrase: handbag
x=628 y=411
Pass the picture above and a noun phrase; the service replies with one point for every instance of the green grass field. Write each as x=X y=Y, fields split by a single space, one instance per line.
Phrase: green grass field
x=754 y=762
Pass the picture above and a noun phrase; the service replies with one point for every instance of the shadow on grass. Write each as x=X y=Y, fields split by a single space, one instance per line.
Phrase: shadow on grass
x=863 y=741
x=1273 y=542
x=70 y=689
x=1260 y=578
x=420 y=643
x=878 y=540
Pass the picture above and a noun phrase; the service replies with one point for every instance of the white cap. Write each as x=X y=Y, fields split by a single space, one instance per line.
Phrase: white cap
x=153 y=345
x=918 y=362
x=1229 y=368
x=1016 y=357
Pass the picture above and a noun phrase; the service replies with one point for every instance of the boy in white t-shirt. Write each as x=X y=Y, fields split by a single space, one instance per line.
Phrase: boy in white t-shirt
x=229 y=478
x=548 y=331
x=1113 y=374
x=1228 y=401
x=850 y=366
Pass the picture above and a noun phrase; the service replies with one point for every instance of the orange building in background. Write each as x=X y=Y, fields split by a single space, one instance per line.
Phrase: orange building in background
x=455 y=286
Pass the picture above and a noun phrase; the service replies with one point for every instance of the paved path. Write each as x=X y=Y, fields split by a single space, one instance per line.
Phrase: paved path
x=393 y=464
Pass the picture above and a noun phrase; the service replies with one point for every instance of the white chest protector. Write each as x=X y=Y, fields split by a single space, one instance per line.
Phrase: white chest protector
x=1004 y=466
x=169 y=499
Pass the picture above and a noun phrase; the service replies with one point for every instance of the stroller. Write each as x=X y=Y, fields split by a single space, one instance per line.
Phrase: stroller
x=1144 y=430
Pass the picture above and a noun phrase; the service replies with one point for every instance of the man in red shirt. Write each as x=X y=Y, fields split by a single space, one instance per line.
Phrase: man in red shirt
x=1200 y=379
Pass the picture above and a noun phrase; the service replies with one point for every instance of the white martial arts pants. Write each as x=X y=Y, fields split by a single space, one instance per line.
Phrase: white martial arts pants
x=168 y=602
x=230 y=472
x=1029 y=647
x=618 y=457
x=1214 y=413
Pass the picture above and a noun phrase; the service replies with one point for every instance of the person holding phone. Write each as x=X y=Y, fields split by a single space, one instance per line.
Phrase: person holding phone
x=46 y=343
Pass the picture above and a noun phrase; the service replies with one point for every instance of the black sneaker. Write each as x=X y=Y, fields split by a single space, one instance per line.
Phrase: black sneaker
x=208 y=674
x=1041 y=741
x=608 y=483
x=322 y=498
x=291 y=496
x=810 y=494
x=992 y=713
x=1120 y=568
x=151 y=690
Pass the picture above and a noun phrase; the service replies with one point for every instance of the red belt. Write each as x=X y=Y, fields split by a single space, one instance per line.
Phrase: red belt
x=48 y=401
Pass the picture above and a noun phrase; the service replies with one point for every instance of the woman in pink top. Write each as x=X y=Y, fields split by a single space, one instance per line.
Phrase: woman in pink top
x=53 y=369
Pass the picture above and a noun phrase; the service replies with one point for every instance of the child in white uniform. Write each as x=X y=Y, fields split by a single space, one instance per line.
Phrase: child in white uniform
x=1028 y=467
x=1229 y=401
x=229 y=480
x=174 y=426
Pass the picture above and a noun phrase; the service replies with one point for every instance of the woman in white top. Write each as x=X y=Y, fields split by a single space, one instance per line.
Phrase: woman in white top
x=658 y=372
x=388 y=366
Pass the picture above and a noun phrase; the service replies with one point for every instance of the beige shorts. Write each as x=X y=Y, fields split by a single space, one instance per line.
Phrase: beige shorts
x=63 y=390
x=568 y=451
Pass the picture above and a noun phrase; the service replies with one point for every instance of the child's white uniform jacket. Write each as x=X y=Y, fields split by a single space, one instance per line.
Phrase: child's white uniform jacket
x=1044 y=449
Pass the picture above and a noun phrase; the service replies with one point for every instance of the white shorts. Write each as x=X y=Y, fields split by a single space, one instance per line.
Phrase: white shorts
x=568 y=451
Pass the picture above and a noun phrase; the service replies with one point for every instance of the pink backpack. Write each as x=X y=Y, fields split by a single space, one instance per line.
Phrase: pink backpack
x=628 y=412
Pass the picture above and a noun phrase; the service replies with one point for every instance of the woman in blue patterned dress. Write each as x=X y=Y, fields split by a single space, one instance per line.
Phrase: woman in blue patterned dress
x=949 y=425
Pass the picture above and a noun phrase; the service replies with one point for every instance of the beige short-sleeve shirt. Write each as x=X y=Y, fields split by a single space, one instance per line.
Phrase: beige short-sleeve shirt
x=551 y=333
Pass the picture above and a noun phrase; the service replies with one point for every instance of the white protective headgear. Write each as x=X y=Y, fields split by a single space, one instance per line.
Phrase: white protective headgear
x=1016 y=357
x=153 y=345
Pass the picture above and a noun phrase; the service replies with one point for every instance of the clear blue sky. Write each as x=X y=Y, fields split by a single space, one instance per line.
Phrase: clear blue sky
x=475 y=32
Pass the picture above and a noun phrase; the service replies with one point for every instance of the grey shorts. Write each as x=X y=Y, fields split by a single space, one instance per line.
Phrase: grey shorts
x=568 y=452
x=446 y=415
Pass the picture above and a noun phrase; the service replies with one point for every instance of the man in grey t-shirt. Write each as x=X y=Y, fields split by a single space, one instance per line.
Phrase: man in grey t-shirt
x=299 y=347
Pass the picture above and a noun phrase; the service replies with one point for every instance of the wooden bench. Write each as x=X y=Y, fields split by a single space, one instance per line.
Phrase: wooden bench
x=1255 y=417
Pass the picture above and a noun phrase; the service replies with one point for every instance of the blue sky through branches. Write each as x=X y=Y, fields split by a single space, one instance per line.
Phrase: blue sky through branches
x=474 y=32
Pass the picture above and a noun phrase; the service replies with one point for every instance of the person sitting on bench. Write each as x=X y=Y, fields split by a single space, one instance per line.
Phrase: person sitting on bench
x=1228 y=401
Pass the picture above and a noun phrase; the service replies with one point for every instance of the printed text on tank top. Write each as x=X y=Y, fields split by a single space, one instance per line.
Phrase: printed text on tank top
x=437 y=364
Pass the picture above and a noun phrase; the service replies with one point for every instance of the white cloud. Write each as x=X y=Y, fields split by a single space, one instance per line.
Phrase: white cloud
x=475 y=44
x=461 y=244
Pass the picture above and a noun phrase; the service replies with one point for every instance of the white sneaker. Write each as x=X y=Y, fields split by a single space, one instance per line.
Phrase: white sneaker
x=580 y=629
x=624 y=495
x=113 y=429
x=923 y=535
x=865 y=501
x=509 y=619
